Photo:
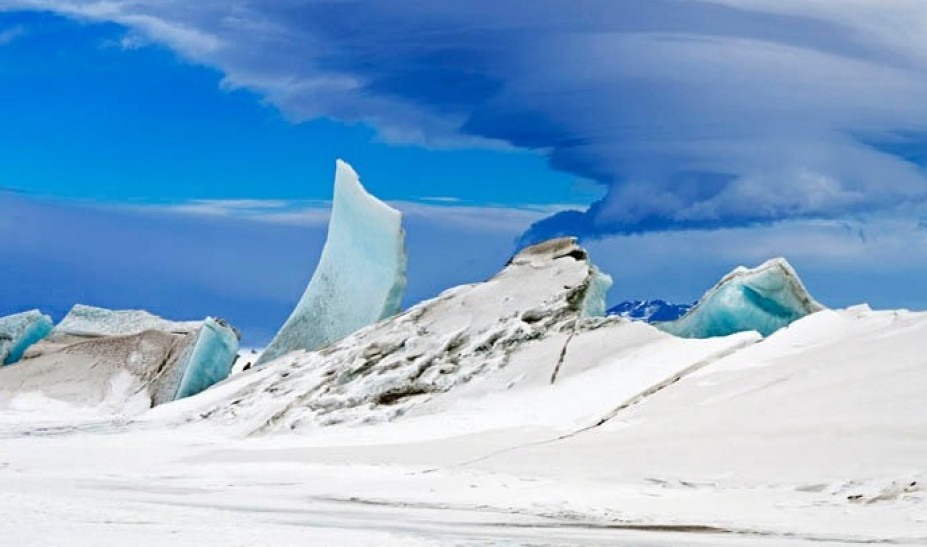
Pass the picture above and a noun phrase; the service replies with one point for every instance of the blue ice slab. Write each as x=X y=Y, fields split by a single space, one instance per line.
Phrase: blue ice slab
x=360 y=278
x=764 y=299
x=211 y=359
x=19 y=331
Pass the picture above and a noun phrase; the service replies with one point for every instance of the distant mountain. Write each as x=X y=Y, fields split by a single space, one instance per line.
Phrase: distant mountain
x=651 y=311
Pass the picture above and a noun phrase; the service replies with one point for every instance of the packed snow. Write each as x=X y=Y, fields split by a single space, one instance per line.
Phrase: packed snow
x=361 y=275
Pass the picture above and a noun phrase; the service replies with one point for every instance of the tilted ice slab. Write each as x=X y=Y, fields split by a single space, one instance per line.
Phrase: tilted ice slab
x=360 y=278
x=210 y=360
x=144 y=361
x=19 y=331
x=90 y=321
x=519 y=349
x=764 y=299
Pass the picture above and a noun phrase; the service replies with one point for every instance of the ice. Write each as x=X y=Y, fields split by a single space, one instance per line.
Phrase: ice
x=90 y=321
x=594 y=300
x=360 y=278
x=89 y=359
x=211 y=360
x=19 y=331
x=764 y=299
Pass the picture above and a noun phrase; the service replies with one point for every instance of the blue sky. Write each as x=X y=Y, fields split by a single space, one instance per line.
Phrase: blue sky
x=186 y=149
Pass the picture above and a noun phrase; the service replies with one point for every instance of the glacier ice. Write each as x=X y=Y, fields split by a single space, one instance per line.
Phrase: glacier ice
x=361 y=275
x=764 y=299
x=19 y=331
x=210 y=360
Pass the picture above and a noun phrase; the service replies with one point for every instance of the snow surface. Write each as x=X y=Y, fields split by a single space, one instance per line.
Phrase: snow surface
x=498 y=413
x=764 y=299
x=361 y=275
x=20 y=331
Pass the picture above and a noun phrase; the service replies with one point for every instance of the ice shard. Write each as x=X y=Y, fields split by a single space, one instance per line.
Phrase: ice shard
x=210 y=360
x=19 y=331
x=764 y=299
x=360 y=278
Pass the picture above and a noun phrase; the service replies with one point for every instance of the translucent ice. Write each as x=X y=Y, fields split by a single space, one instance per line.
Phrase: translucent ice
x=360 y=278
x=19 y=331
x=594 y=301
x=763 y=299
x=210 y=360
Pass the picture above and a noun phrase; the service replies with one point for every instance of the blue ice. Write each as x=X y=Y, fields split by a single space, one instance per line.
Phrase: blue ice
x=211 y=359
x=764 y=299
x=360 y=278
x=19 y=331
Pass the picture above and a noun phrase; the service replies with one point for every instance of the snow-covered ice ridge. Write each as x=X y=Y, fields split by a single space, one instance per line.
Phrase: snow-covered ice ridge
x=361 y=275
x=531 y=324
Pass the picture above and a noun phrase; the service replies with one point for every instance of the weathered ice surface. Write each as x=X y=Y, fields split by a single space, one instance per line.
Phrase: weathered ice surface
x=360 y=278
x=764 y=299
x=124 y=360
x=19 y=331
x=90 y=321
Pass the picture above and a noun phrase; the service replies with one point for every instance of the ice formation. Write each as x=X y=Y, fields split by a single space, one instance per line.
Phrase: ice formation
x=210 y=360
x=122 y=357
x=19 y=331
x=360 y=278
x=764 y=299
x=529 y=328
x=90 y=321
